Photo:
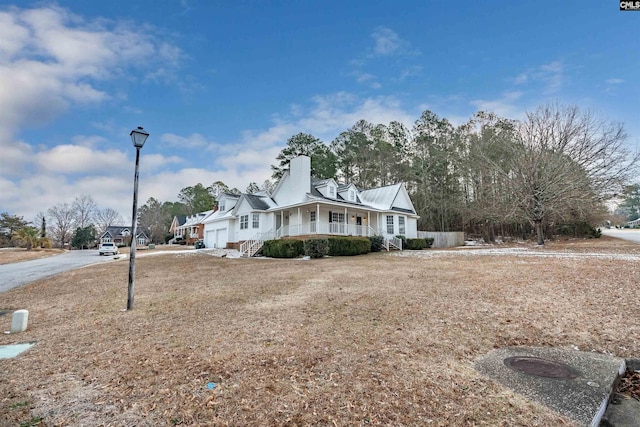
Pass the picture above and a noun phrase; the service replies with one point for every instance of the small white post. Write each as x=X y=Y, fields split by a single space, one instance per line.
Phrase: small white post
x=19 y=321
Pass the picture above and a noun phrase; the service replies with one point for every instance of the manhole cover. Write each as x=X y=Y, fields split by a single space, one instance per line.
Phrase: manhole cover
x=541 y=367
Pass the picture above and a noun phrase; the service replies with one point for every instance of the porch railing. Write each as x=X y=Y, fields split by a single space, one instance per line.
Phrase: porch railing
x=252 y=246
x=332 y=228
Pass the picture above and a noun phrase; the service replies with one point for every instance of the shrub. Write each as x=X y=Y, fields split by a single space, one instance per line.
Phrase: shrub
x=348 y=246
x=579 y=229
x=377 y=243
x=414 y=244
x=283 y=248
x=429 y=241
x=45 y=243
x=316 y=248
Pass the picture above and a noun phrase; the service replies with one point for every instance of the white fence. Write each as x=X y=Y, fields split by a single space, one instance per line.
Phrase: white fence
x=443 y=239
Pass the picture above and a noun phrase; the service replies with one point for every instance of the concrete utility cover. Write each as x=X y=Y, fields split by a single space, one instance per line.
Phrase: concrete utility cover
x=12 y=350
x=576 y=384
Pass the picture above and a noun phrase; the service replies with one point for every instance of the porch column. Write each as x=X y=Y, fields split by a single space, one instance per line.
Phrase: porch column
x=317 y=217
x=299 y=221
x=368 y=222
x=281 y=222
x=346 y=221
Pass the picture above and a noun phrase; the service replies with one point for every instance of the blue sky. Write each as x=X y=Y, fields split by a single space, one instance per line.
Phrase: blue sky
x=222 y=85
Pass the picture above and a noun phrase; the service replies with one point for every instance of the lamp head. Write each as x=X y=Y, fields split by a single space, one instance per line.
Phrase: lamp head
x=138 y=137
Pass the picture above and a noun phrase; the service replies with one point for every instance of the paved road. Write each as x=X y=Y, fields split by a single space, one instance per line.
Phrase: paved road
x=624 y=233
x=21 y=273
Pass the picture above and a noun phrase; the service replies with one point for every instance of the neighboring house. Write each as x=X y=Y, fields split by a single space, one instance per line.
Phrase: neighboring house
x=120 y=235
x=191 y=228
x=176 y=227
x=303 y=206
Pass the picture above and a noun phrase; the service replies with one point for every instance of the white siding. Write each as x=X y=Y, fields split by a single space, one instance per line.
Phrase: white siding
x=412 y=228
x=402 y=200
x=242 y=209
x=282 y=194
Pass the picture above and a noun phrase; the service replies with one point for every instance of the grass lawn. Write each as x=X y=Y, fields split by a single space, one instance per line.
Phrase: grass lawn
x=380 y=339
x=11 y=255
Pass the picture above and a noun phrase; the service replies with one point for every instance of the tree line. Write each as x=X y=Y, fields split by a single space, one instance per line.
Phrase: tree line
x=551 y=172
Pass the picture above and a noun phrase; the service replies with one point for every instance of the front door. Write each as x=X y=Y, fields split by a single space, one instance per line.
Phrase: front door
x=359 y=225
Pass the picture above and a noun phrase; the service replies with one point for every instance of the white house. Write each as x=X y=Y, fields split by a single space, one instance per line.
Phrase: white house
x=304 y=206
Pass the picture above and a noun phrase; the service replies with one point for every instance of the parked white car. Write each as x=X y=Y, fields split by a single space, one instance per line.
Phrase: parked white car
x=108 y=248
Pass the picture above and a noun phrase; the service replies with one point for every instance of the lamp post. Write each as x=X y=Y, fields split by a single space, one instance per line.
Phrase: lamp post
x=138 y=136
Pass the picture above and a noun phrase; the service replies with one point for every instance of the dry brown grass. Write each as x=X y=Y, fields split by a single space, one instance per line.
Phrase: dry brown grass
x=369 y=340
x=8 y=256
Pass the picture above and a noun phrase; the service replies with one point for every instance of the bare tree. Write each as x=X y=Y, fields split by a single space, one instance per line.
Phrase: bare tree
x=107 y=217
x=85 y=210
x=567 y=162
x=62 y=222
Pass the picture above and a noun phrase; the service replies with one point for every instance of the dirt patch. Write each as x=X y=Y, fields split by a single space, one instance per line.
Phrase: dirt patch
x=368 y=340
x=8 y=256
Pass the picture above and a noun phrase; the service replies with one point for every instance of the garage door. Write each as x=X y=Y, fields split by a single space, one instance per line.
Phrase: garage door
x=221 y=238
x=210 y=239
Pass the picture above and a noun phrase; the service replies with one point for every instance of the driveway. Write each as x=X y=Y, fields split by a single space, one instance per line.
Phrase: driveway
x=21 y=273
x=632 y=235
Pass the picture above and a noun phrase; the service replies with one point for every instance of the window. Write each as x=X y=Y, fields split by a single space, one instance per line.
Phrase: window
x=352 y=195
x=401 y=228
x=337 y=217
x=337 y=223
x=244 y=222
x=106 y=239
x=256 y=220
x=390 y=224
x=312 y=222
x=141 y=241
x=332 y=191
x=221 y=206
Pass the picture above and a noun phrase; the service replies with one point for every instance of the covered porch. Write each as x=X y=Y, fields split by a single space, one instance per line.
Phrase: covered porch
x=324 y=219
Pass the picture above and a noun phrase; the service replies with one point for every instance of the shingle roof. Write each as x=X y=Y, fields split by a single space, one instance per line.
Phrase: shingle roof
x=317 y=181
x=226 y=193
x=116 y=230
x=257 y=202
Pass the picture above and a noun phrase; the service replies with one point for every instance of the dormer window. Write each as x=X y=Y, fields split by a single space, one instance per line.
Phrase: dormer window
x=222 y=206
x=352 y=196
x=332 y=191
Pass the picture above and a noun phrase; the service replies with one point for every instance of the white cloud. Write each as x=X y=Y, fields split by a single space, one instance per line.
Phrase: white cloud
x=15 y=158
x=614 y=81
x=389 y=43
x=52 y=59
x=193 y=141
x=69 y=159
x=504 y=106
x=551 y=76
x=521 y=78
